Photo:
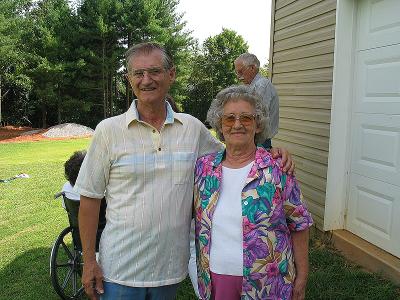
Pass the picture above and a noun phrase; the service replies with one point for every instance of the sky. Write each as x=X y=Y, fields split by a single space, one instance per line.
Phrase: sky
x=252 y=21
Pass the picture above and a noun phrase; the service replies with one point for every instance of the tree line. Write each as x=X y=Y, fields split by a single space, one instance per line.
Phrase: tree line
x=63 y=61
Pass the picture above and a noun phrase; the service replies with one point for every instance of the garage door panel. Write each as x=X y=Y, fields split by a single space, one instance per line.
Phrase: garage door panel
x=373 y=206
x=379 y=23
x=377 y=80
x=374 y=212
x=376 y=147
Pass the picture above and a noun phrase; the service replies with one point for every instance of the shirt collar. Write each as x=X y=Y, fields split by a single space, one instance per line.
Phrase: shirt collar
x=132 y=115
x=170 y=114
x=256 y=78
x=263 y=158
x=219 y=156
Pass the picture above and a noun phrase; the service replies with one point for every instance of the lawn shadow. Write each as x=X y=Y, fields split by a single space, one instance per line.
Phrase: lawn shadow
x=28 y=276
x=331 y=276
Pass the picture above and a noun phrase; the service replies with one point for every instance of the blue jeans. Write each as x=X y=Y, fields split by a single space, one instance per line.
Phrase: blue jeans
x=114 y=291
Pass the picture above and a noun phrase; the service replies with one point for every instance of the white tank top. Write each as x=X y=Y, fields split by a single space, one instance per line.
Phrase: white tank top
x=226 y=252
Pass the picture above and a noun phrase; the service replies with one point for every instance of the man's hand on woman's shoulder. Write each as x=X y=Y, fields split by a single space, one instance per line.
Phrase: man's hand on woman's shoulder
x=287 y=164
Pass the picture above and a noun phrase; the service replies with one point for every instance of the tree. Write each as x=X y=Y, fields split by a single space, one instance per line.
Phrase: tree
x=14 y=84
x=212 y=69
x=107 y=29
x=264 y=70
x=47 y=41
x=60 y=64
x=100 y=51
x=157 y=20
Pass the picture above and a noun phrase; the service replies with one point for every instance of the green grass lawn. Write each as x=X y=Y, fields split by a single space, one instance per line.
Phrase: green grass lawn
x=30 y=220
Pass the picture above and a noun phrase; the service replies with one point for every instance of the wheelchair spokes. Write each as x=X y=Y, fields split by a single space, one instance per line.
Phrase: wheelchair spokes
x=66 y=264
x=66 y=267
x=67 y=251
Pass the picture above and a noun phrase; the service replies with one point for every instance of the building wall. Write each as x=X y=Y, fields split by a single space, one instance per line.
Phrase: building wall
x=302 y=46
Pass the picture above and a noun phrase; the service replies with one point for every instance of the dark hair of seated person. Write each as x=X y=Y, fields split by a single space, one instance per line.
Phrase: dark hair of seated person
x=72 y=166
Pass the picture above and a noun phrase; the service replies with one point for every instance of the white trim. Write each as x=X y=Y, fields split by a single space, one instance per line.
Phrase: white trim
x=339 y=143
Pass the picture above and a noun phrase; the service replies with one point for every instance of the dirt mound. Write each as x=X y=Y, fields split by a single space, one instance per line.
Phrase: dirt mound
x=11 y=134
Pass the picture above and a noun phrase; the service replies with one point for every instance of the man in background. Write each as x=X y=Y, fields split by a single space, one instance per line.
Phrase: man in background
x=247 y=68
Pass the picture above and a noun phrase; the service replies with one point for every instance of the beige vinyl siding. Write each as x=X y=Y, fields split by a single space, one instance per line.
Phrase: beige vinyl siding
x=303 y=33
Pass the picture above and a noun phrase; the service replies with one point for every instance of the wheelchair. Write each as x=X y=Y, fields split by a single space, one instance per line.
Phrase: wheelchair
x=66 y=263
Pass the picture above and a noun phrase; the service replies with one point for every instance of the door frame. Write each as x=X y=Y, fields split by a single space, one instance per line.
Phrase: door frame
x=337 y=187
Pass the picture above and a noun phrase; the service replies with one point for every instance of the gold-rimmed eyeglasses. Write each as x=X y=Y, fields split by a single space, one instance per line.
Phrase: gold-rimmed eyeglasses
x=244 y=118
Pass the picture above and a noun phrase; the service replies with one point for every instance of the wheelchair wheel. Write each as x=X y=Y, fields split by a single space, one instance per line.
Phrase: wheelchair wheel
x=66 y=267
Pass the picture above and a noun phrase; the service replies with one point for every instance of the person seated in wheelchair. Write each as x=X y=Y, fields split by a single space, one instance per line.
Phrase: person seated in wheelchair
x=71 y=198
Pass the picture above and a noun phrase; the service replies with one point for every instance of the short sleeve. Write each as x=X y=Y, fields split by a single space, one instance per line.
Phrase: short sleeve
x=207 y=142
x=94 y=173
x=297 y=215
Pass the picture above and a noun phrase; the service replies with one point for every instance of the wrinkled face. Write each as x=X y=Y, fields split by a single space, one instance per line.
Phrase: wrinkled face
x=148 y=77
x=244 y=73
x=239 y=125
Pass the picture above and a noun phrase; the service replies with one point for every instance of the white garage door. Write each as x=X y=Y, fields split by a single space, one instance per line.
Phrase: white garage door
x=373 y=211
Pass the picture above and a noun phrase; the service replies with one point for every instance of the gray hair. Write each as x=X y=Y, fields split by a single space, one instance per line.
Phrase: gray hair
x=235 y=93
x=147 y=48
x=249 y=59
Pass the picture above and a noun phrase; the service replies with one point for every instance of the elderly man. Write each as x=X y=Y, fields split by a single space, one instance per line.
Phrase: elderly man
x=144 y=161
x=247 y=68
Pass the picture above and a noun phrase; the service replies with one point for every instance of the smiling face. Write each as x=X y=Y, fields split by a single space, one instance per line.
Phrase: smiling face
x=239 y=135
x=148 y=77
x=245 y=73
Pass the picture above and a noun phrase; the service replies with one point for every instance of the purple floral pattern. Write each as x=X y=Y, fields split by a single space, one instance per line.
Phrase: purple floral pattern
x=272 y=207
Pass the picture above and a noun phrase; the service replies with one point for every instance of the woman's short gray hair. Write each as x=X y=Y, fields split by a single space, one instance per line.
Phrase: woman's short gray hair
x=235 y=93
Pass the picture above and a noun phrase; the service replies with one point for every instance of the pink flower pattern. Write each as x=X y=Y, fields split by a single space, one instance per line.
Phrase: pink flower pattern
x=272 y=207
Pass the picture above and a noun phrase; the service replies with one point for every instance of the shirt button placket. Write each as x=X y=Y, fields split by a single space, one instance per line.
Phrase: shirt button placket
x=156 y=137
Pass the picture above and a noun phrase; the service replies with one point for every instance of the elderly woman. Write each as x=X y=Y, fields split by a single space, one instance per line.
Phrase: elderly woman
x=250 y=222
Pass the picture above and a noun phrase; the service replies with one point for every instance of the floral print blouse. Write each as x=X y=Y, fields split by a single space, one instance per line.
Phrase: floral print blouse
x=272 y=207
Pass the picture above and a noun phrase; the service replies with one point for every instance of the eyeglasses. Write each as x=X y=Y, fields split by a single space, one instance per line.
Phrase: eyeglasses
x=244 y=119
x=151 y=72
x=241 y=71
